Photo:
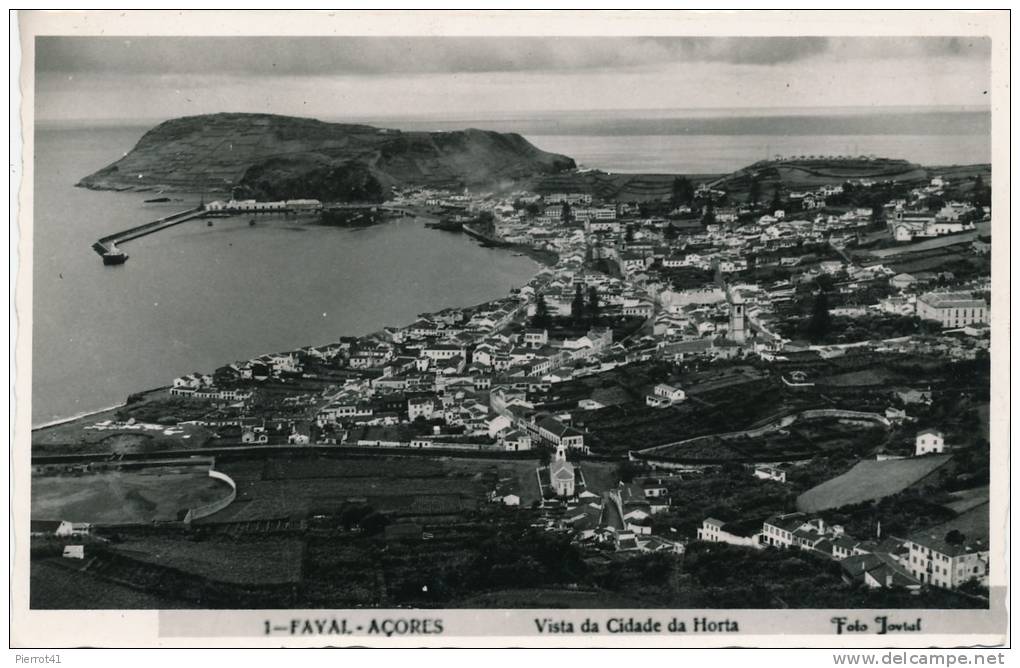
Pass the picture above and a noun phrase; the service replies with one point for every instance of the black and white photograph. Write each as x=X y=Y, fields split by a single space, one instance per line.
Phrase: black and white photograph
x=687 y=336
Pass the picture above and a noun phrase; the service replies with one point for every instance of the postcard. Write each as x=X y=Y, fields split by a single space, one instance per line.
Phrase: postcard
x=583 y=329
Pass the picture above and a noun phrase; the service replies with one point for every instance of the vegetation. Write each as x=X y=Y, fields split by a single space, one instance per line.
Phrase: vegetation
x=728 y=493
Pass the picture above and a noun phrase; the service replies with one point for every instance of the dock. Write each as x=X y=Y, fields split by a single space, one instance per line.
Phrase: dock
x=107 y=245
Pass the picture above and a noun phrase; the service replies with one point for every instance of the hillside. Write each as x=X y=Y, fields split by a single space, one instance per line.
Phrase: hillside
x=869 y=480
x=810 y=172
x=791 y=174
x=609 y=187
x=269 y=156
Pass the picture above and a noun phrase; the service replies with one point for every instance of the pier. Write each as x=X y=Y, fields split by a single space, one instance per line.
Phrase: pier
x=107 y=246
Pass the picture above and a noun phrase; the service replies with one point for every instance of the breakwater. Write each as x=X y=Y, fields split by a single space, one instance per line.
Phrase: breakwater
x=108 y=245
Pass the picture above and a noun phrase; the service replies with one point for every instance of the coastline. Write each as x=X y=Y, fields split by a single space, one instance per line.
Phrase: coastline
x=543 y=258
x=80 y=416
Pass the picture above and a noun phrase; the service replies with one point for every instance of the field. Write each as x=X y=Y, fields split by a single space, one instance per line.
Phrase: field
x=118 y=497
x=284 y=487
x=869 y=480
x=262 y=561
x=972 y=523
x=967 y=499
x=549 y=598
x=53 y=585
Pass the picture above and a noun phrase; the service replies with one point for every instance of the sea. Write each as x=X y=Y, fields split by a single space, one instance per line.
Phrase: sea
x=195 y=297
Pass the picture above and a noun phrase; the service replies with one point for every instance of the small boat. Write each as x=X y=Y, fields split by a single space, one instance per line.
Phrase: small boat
x=251 y=222
x=208 y=223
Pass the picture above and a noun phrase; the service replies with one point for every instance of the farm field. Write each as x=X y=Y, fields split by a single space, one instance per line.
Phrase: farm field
x=283 y=487
x=869 y=480
x=967 y=499
x=262 y=561
x=54 y=586
x=549 y=598
x=121 y=497
x=973 y=522
x=982 y=228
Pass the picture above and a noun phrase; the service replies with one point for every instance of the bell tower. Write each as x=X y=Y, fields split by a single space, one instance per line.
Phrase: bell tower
x=738 y=327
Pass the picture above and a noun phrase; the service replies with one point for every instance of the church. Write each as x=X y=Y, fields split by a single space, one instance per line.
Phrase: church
x=561 y=473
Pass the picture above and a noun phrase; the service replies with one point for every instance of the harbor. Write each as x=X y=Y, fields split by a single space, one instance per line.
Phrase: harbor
x=109 y=249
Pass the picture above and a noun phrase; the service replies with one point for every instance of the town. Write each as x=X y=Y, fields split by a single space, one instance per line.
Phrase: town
x=733 y=373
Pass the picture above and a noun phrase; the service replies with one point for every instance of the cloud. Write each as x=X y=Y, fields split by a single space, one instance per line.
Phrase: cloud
x=369 y=56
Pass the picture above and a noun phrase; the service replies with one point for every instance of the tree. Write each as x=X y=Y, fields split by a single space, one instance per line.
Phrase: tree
x=628 y=234
x=541 y=317
x=777 y=200
x=626 y=470
x=820 y=322
x=982 y=195
x=670 y=233
x=708 y=215
x=683 y=192
x=533 y=209
x=566 y=215
x=577 y=305
x=954 y=537
x=593 y=304
x=755 y=190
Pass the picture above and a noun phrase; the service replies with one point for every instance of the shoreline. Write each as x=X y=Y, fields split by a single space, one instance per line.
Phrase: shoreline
x=543 y=258
x=80 y=416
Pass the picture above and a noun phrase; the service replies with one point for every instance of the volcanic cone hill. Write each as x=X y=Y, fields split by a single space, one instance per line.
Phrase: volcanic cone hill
x=274 y=157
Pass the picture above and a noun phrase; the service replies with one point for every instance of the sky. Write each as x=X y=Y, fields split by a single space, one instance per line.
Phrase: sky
x=147 y=78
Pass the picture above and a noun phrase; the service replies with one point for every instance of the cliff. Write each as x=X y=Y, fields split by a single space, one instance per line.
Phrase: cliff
x=268 y=156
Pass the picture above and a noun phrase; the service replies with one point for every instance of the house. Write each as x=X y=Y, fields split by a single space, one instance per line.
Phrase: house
x=844 y=547
x=498 y=424
x=742 y=534
x=554 y=432
x=536 y=338
x=669 y=392
x=779 y=531
x=516 y=440
x=74 y=552
x=300 y=435
x=902 y=281
x=929 y=441
x=876 y=570
x=952 y=309
x=66 y=529
x=947 y=561
x=655 y=401
x=254 y=434
x=764 y=472
x=423 y=407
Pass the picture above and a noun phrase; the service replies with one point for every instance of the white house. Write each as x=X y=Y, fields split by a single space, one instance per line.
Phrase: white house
x=929 y=441
x=671 y=393
x=717 y=531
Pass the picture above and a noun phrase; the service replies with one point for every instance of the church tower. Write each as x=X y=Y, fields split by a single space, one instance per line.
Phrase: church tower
x=738 y=328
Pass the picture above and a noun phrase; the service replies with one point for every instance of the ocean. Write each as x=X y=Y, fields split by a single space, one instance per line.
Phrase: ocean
x=193 y=298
